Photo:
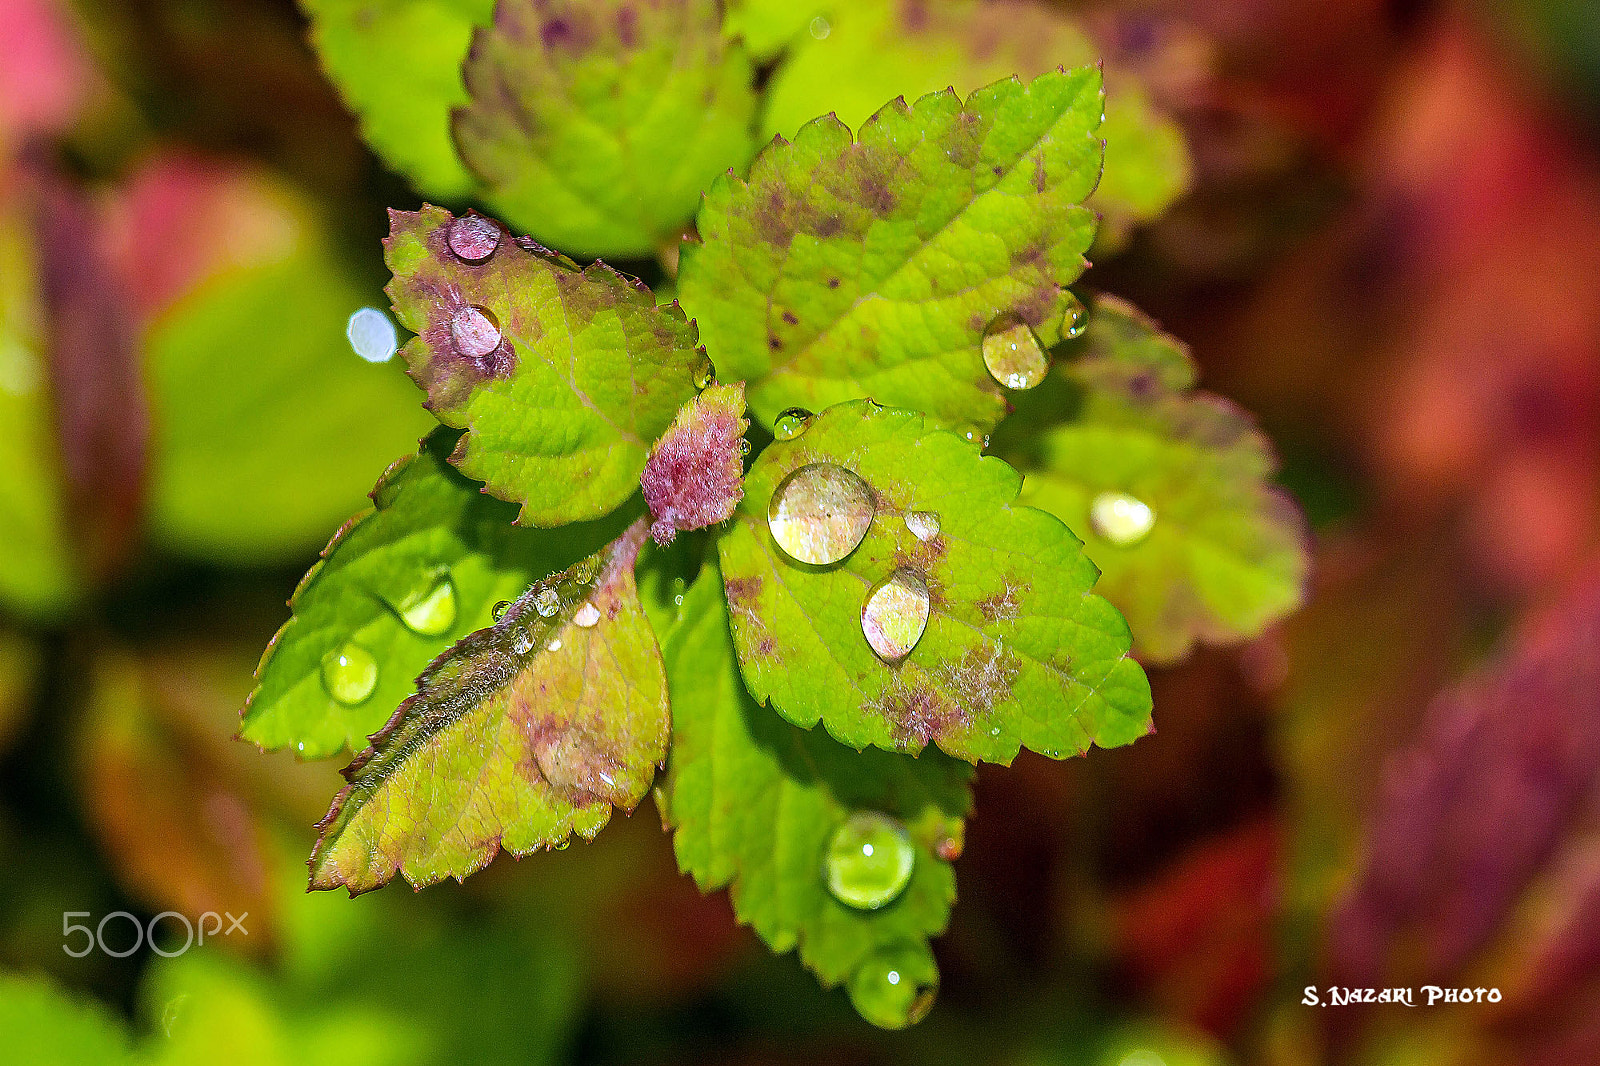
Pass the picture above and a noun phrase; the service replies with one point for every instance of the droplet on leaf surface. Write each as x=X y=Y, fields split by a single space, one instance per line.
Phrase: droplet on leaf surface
x=820 y=512
x=896 y=985
x=349 y=673
x=1013 y=353
x=473 y=238
x=1120 y=519
x=924 y=525
x=546 y=601
x=895 y=614
x=705 y=374
x=475 y=332
x=500 y=609
x=791 y=423
x=1074 y=320
x=372 y=335
x=869 y=860
x=587 y=616
x=431 y=611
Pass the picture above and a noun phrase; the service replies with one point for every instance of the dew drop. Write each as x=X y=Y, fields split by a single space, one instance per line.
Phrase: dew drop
x=473 y=237
x=895 y=987
x=1121 y=519
x=1074 y=320
x=820 y=512
x=820 y=28
x=475 y=332
x=587 y=616
x=1013 y=354
x=744 y=447
x=587 y=570
x=349 y=673
x=432 y=611
x=554 y=645
x=705 y=374
x=546 y=601
x=500 y=609
x=791 y=423
x=522 y=640
x=895 y=614
x=869 y=860
x=924 y=525
x=372 y=335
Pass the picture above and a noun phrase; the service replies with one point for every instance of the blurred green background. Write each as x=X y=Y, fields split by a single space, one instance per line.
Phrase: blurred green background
x=1390 y=252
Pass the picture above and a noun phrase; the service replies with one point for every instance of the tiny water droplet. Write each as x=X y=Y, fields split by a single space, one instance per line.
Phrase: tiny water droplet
x=473 y=237
x=554 y=645
x=896 y=986
x=563 y=843
x=869 y=860
x=372 y=335
x=587 y=616
x=546 y=601
x=1121 y=519
x=475 y=332
x=820 y=512
x=950 y=848
x=1074 y=320
x=744 y=447
x=522 y=640
x=895 y=615
x=705 y=374
x=820 y=28
x=924 y=525
x=500 y=609
x=587 y=570
x=791 y=423
x=349 y=673
x=432 y=611
x=1013 y=353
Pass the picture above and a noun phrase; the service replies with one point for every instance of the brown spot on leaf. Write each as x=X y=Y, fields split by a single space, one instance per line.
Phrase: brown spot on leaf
x=917 y=712
x=982 y=678
x=789 y=317
x=1005 y=605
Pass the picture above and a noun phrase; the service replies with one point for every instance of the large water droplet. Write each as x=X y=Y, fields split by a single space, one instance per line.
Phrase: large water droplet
x=895 y=614
x=1013 y=354
x=1120 y=519
x=820 y=512
x=791 y=423
x=500 y=609
x=1074 y=320
x=432 y=610
x=587 y=616
x=924 y=525
x=896 y=985
x=349 y=673
x=475 y=332
x=372 y=335
x=546 y=601
x=869 y=860
x=473 y=238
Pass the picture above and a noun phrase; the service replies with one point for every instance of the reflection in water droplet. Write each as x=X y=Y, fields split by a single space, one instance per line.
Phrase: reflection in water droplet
x=1013 y=354
x=372 y=335
x=895 y=614
x=1121 y=519
x=432 y=611
x=869 y=860
x=924 y=525
x=705 y=374
x=1074 y=320
x=349 y=673
x=586 y=616
x=791 y=423
x=500 y=609
x=473 y=237
x=546 y=601
x=475 y=332
x=820 y=512
x=896 y=985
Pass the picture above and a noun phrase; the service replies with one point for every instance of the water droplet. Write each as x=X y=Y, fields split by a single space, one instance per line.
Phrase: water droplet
x=554 y=645
x=500 y=609
x=791 y=423
x=1013 y=354
x=744 y=447
x=895 y=614
x=820 y=28
x=349 y=673
x=1121 y=519
x=587 y=570
x=924 y=525
x=473 y=237
x=432 y=611
x=588 y=615
x=820 y=512
x=896 y=985
x=869 y=860
x=705 y=374
x=475 y=332
x=372 y=335
x=522 y=640
x=950 y=848
x=563 y=843
x=1074 y=320
x=546 y=601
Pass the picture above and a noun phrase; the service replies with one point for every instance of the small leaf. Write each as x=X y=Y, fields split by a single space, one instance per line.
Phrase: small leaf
x=562 y=377
x=754 y=803
x=397 y=63
x=1220 y=553
x=1016 y=650
x=871 y=266
x=596 y=123
x=520 y=735
x=695 y=475
x=402 y=583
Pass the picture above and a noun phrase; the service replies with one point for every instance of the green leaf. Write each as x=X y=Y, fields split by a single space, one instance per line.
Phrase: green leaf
x=1017 y=651
x=45 y=1026
x=695 y=475
x=596 y=123
x=767 y=26
x=520 y=735
x=1226 y=555
x=562 y=377
x=397 y=63
x=872 y=266
x=435 y=550
x=875 y=49
x=755 y=801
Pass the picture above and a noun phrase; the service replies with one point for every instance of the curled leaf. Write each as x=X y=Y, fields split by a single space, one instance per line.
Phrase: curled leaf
x=694 y=477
